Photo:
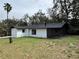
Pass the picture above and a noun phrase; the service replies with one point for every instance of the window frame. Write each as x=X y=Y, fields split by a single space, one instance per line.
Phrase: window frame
x=23 y=30
x=33 y=31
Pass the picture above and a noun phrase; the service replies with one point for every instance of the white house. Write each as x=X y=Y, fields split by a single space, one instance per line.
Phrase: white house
x=39 y=30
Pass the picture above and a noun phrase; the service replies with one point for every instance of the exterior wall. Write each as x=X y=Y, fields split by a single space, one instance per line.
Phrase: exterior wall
x=42 y=33
x=17 y=32
x=21 y=34
x=26 y=32
x=13 y=32
x=56 y=32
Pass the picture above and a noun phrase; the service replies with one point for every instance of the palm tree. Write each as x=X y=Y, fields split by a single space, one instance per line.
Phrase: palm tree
x=8 y=8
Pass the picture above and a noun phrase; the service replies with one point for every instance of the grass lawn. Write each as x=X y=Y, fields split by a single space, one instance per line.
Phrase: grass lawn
x=35 y=48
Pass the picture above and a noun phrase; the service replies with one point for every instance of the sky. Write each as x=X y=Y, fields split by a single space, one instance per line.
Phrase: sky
x=22 y=7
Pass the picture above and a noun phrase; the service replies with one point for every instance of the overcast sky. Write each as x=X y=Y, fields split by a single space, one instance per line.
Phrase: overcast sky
x=21 y=7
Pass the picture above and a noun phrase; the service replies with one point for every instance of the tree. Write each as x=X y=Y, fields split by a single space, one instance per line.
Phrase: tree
x=39 y=17
x=54 y=17
x=11 y=22
x=2 y=29
x=61 y=9
x=75 y=10
x=21 y=22
x=67 y=10
x=8 y=8
x=75 y=13
x=25 y=19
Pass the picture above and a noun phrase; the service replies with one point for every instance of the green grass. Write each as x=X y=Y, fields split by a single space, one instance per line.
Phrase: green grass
x=36 y=48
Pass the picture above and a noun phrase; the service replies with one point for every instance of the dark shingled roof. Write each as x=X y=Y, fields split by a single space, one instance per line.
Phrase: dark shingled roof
x=43 y=26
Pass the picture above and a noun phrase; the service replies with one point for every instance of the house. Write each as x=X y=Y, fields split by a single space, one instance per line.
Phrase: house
x=48 y=30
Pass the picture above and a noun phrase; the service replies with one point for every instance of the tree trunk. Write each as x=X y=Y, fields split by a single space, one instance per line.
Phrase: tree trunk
x=10 y=38
x=9 y=30
x=7 y=24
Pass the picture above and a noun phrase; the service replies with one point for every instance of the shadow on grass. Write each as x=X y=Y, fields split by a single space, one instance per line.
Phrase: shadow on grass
x=63 y=36
x=52 y=38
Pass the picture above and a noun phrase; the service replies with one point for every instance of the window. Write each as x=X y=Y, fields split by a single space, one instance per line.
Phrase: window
x=23 y=30
x=33 y=32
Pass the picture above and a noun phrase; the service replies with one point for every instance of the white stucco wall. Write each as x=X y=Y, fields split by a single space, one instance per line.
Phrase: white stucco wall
x=26 y=32
x=13 y=32
x=42 y=33
x=17 y=32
